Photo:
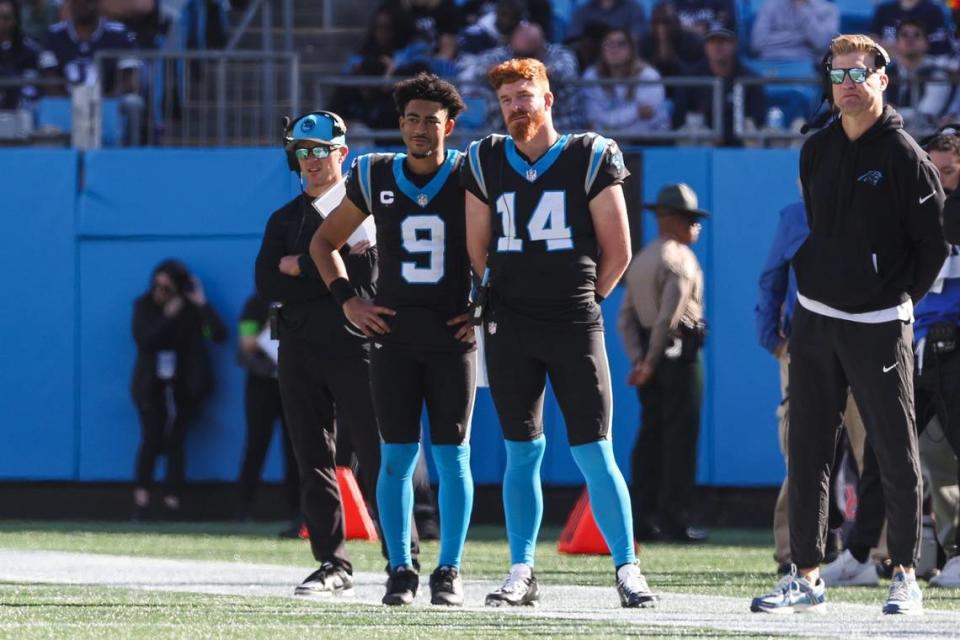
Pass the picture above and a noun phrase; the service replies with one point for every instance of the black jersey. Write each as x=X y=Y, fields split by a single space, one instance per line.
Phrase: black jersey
x=421 y=241
x=543 y=248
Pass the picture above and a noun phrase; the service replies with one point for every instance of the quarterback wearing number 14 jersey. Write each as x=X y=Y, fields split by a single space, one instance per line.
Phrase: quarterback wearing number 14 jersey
x=543 y=250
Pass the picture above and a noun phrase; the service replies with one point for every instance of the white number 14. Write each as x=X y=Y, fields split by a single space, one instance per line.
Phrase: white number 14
x=548 y=222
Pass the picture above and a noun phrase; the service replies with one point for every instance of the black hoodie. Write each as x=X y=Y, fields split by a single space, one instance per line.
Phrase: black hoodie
x=874 y=206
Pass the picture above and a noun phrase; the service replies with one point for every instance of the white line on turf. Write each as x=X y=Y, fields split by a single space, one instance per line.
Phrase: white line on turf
x=559 y=601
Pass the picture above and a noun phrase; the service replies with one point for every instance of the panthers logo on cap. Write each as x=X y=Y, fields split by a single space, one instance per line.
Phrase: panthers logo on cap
x=308 y=125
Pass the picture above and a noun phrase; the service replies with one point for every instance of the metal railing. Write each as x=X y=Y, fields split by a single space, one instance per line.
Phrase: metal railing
x=234 y=98
x=478 y=94
x=213 y=98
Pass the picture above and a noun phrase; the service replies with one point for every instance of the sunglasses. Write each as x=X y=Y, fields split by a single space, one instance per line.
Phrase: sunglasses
x=319 y=152
x=858 y=75
x=162 y=288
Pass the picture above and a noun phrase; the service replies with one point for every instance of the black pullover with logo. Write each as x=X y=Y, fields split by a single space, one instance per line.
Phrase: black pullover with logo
x=874 y=206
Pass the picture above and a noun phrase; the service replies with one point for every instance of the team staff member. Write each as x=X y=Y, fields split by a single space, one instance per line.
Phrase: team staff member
x=321 y=365
x=262 y=409
x=661 y=322
x=546 y=214
x=424 y=351
x=874 y=205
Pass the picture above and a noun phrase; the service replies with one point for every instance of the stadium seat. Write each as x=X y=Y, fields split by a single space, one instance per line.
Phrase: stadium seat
x=58 y=112
x=795 y=100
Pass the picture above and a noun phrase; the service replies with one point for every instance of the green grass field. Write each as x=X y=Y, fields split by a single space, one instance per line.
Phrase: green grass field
x=736 y=563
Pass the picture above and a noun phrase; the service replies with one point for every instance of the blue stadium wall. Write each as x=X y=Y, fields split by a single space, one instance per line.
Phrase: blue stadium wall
x=83 y=232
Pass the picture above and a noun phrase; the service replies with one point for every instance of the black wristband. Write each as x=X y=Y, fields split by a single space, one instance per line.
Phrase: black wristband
x=341 y=290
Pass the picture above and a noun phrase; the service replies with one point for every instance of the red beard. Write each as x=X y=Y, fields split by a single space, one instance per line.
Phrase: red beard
x=525 y=128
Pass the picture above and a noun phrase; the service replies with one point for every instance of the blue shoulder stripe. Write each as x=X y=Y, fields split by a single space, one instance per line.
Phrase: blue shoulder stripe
x=473 y=159
x=363 y=176
x=596 y=156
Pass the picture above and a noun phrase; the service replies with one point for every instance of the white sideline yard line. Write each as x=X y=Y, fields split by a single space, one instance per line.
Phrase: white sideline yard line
x=561 y=602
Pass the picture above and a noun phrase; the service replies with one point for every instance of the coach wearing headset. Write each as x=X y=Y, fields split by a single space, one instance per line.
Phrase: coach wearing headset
x=321 y=364
x=874 y=205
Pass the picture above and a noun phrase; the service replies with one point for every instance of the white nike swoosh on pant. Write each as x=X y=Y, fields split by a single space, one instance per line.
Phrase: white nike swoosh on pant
x=890 y=368
x=925 y=198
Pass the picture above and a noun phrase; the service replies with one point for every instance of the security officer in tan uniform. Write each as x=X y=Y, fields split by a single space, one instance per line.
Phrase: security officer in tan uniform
x=662 y=325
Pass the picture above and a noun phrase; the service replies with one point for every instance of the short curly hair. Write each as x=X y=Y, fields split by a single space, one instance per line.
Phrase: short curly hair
x=519 y=69
x=427 y=86
x=949 y=142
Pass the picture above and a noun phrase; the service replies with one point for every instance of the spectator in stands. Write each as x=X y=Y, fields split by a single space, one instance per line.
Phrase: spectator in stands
x=436 y=24
x=71 y=44
x=721 y=61
x=670 y=47
x=620 y=14
x=386 y=52
x=492 y=28
x=889 y=15
x=704 y=16
x=527 y=41
x=172 y=376
x=794 y=29
x=37 y=16
x=18 y=56
x=142 y=18
x=624 y=109
x=591 y=21
x=919 y=84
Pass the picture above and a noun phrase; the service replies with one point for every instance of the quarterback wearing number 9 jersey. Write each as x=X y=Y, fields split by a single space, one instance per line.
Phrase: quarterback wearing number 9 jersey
x=423 y=341
x=546 y=215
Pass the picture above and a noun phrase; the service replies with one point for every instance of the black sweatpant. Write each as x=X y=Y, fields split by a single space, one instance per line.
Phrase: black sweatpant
x=876 y=361
x=664 y=462
x=315 y=389
x=263 y=408
x=163 y=429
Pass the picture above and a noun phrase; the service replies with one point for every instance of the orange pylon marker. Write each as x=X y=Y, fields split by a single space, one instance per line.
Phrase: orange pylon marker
x=356 y=519
x=581 y=535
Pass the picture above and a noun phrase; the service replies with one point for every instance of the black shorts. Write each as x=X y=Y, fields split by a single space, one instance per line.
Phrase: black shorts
x=521 y=353
x=403 y=379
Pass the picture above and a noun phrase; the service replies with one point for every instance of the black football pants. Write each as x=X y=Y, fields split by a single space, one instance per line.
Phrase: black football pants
x=315 y=389
x=876 y=362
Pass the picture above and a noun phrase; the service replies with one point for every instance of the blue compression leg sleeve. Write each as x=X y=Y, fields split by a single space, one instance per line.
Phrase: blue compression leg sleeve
x=523 y=497
x=609 y=497
x=395 y=499
x=456 y=500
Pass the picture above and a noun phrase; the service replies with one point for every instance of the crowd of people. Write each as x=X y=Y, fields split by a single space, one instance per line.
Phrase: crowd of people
x=611 y=61
x=605 y=41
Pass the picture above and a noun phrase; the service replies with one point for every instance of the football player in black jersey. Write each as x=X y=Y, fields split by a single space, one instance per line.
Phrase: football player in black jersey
x=547 y=217
x=423 y=340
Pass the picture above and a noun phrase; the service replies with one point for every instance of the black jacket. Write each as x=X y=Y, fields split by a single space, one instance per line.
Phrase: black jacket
x=951 y=218
x=874 y=207
x=184 y=334
x=309 y=313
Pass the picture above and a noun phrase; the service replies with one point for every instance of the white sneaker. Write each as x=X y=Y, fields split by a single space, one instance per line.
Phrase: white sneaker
x=905 y=596
x=846 y=571
x=949 y=575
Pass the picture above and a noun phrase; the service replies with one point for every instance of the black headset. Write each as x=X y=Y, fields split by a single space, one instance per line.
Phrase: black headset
x=288 y=125
x=880 y=59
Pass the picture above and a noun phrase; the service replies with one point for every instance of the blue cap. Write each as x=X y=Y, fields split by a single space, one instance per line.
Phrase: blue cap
x=321 y=126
